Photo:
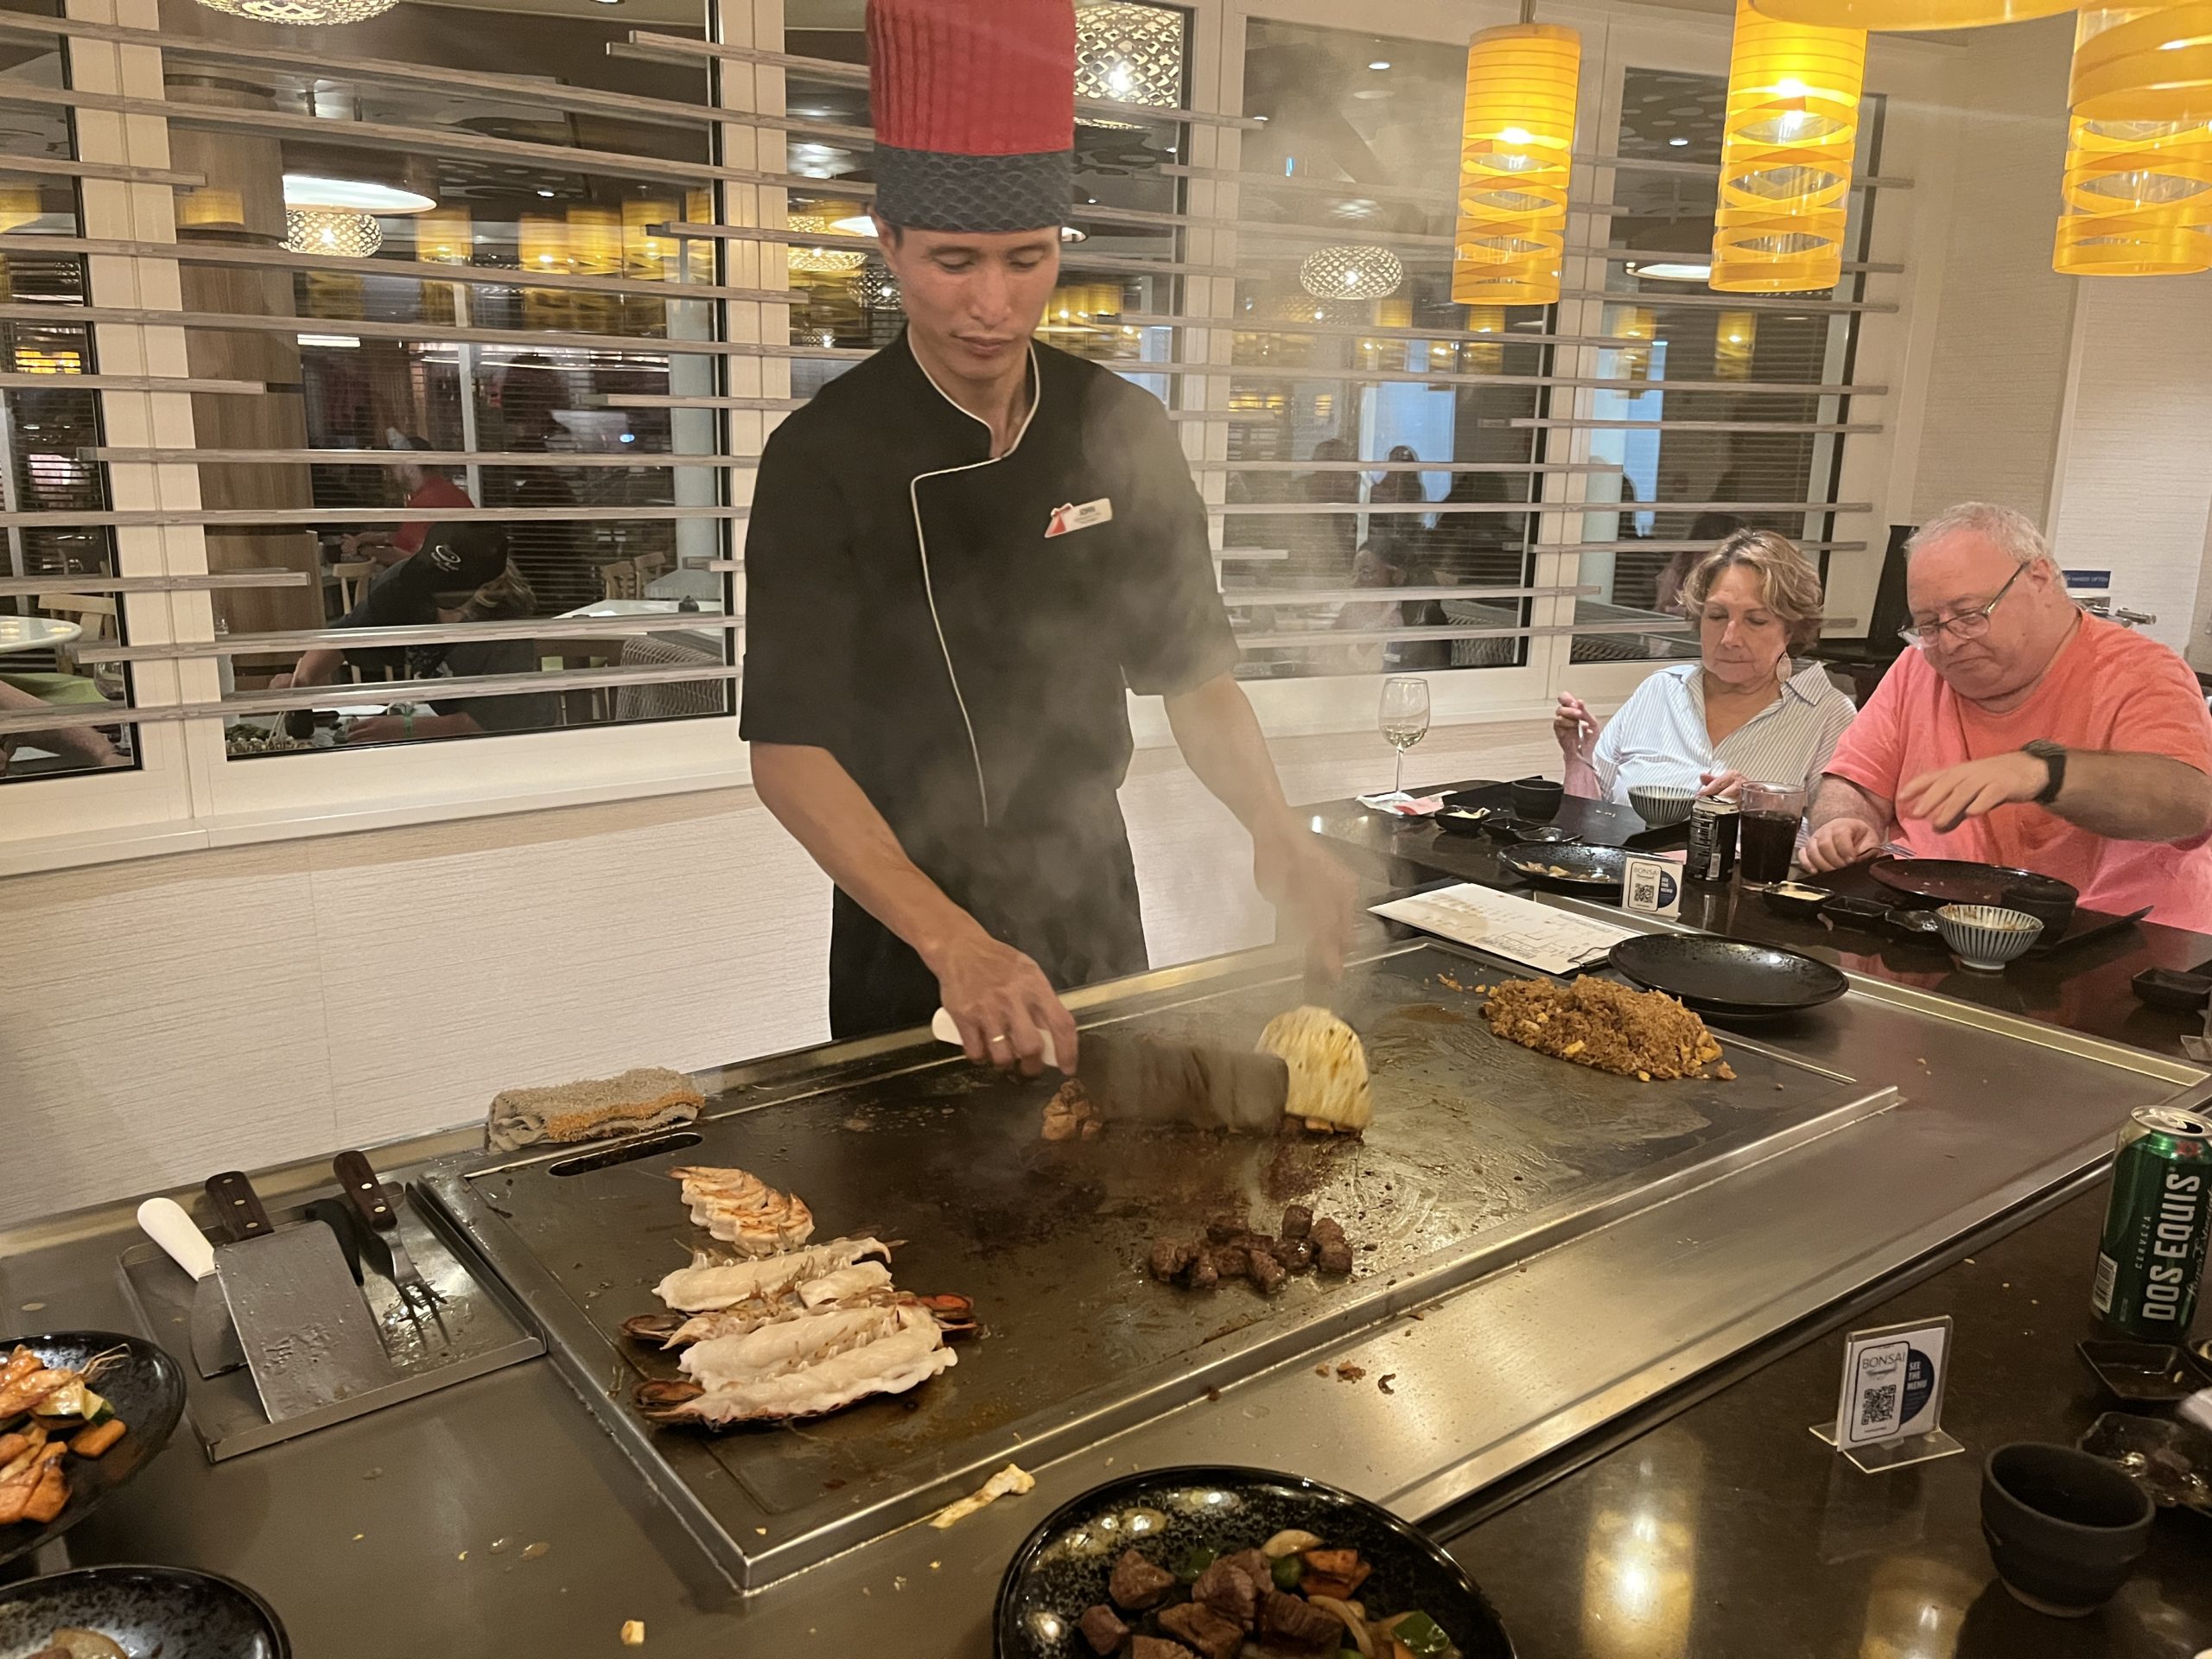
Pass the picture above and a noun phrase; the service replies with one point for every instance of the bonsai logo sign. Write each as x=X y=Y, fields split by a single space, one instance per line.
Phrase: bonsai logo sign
x=1892 y=1384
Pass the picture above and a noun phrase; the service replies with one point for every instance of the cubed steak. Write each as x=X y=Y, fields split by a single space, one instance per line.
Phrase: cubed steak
x=1154 y=1647
x=1293 y=1623
x=1135 y=1584
x=1297 y=1221
x=1214 y=1636
x=1170 y=1256
x=1224 y=1227
x=1202 y=1274
x=1269 y=1275
x=1227 y=1588
x=1334 y=1258
x=1103 y=1629
x=1254 y=1566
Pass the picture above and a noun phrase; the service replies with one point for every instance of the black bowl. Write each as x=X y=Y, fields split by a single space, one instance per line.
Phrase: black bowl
x=1461 y=821
x=1537 y=797
x=2065 y=1528
x=2172 y=989
x=147 y=1390
x=1063 y=1567
x=2050 y=900
x=146 y=1610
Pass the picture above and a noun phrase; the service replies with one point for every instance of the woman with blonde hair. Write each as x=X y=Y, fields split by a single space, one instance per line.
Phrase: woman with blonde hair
x=1744 y=710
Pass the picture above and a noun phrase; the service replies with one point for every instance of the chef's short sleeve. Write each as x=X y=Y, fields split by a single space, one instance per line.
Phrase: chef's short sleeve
x=799 y=601
x=1175 y=633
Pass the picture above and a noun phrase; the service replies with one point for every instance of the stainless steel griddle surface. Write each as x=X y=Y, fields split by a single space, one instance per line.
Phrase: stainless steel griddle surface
x=1475 y=1142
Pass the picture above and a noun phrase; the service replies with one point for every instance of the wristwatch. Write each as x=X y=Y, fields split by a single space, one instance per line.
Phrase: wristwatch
x=2053 y=755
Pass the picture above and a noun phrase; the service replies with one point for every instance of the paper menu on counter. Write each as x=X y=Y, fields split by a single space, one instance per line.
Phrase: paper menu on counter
x=1550 y=940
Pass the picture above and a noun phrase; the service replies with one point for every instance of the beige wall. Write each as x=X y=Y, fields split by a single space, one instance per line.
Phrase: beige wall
x=1997 y=377
x=162 y=1019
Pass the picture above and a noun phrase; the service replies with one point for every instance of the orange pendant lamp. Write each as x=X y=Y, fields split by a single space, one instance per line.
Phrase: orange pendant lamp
x=1786 y=147
x=1517 y=142
x=2137 y=198
x=1906 y=15
x=2143 y=63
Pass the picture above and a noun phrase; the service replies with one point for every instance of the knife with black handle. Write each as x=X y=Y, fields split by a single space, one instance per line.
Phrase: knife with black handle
x=238 y=1207
x=358 y=1179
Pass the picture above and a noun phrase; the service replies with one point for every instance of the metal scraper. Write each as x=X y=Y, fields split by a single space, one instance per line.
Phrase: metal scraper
x=1138 y=1080
x=308 y=1335
x=215 y=1348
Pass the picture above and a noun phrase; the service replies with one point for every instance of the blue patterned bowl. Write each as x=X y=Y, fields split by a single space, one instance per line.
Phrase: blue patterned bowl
x=1662 y=804
x=1987 y=937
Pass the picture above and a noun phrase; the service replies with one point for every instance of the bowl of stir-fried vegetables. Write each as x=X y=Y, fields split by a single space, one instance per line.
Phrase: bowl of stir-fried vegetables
x=82 y=1412
x=1215 y=1562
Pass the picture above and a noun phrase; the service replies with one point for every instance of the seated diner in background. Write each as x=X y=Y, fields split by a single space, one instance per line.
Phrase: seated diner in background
x=422 y=486
x=2023 y=732
x=464 y=575
x=1744 y=710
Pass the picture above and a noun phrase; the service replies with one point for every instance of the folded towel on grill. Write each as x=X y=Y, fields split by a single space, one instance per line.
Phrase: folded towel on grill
x=646 y=1098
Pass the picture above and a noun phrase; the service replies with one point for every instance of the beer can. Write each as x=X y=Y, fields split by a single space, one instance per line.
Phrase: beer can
x=1712 y=839
x=2151 y=1255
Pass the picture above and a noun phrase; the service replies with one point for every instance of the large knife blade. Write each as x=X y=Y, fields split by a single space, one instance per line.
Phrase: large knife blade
x=215 y=1349
x=1136 y=1080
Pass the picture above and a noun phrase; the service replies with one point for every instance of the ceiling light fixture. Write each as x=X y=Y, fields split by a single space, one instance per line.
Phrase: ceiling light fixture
x=1517 y=133
x=1347 y=272
x=2137 y=199
x=1673 y=270
x=2143 y=63
x=363 y=195
x=334 y=232
x=307 y=13
x=1380 y=63
x=1128 y=54
x=1678 y=144
x=1910 y=16
x=1787 y=146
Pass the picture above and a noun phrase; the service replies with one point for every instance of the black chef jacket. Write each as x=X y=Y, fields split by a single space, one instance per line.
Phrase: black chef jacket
x=960 y=631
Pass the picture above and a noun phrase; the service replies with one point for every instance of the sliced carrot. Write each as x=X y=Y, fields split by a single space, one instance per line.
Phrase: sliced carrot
x=51 y=1497
x=91 y=1442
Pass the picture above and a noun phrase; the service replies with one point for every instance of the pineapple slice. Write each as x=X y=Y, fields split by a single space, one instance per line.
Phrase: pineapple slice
x=1328 y=1070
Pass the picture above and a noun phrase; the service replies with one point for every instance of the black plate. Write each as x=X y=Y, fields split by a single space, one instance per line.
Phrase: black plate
x=1590 y=870
x=1957 y=881
x=1729 y=976
x=145 y=1610
x=1063 y=1567
x=147 y=1390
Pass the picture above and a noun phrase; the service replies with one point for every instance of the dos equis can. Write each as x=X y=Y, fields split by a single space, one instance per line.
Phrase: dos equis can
x=2153 y=1253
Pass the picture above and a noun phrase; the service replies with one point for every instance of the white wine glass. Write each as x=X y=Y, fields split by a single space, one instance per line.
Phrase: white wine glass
x=1403 y=719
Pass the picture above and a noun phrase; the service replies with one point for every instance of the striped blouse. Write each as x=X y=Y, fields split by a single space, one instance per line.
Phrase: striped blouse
x=1659 y=736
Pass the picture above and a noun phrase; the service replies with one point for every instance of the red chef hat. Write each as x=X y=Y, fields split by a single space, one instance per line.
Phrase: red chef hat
x=975 y=112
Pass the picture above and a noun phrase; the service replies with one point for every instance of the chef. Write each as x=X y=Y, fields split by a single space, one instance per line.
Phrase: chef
x=962 y=554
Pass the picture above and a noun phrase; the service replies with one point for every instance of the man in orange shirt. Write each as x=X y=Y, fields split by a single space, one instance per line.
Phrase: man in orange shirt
x=2023 y=731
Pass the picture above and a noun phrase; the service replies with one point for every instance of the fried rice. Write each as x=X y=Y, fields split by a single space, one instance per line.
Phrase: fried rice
x=1594 y=1023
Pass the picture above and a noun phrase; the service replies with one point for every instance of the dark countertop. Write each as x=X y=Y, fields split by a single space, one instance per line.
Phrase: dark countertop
x=1729 y=1530
x=2085 y=989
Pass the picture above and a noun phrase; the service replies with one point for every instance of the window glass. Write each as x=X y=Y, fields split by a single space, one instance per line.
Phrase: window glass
x=1736 y=445
x=1355 y=365
x=480 y=450
x=54 y=616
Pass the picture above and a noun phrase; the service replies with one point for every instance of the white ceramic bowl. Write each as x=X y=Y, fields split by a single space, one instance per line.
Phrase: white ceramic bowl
x=1660 y=804
x=1987 y=937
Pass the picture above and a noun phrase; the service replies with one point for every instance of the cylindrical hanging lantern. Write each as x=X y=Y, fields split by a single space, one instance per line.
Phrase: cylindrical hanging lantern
x=1906 y=15
x=1486 y=357
x=444 y=236
x=1735 y=337
x=2137 y=198
x=1516 y=141
x=1786 y=152
x=2145 y=63
x=1638 y=324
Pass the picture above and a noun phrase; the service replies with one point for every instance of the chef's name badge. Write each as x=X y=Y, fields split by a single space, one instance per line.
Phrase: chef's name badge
x=1070 y=518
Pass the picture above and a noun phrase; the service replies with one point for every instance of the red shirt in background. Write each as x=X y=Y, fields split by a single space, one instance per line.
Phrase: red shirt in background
x=2108 y=689
x=436 y=491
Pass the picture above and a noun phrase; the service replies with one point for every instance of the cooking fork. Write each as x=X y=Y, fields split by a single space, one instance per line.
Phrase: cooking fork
x=365 y=1191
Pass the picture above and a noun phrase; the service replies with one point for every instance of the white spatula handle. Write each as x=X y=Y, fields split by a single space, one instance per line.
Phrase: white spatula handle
x=943 y=1028
x=165 y=1222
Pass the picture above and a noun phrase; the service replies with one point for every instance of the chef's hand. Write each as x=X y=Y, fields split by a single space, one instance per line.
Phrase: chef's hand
x=1838 y=842
x=1576 y=728
x=1003 y=1005
x=1724 y=782
x=1310 y=888
x=1948 y=798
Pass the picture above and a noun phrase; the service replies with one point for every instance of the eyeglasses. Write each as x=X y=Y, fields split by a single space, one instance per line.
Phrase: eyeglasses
x=1972 y=625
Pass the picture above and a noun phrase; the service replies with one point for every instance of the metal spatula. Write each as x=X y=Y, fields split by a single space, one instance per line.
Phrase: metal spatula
x=308 y=1335
x=1135 y=1079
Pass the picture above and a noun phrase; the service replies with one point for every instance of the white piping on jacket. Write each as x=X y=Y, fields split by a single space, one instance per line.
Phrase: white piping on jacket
x=922 y=541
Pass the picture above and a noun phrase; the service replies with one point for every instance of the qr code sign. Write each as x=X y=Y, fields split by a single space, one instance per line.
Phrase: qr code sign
x=1877 y=1406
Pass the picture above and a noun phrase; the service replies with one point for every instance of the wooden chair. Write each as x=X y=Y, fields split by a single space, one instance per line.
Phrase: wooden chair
x=95 y=614
x=354 y=578
x=620 y=579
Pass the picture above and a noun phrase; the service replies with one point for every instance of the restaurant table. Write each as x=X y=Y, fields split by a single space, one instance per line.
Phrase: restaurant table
x=2084 y=989
x=37 y=632
x=1728 y=1530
